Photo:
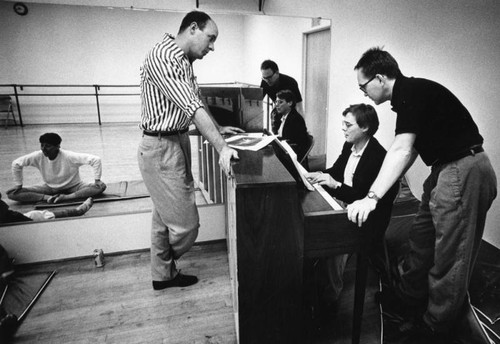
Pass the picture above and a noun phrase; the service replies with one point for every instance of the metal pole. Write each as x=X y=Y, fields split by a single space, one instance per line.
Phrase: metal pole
x=96 y=88
x=3 y=294
x=21 y=317
x=18 y=106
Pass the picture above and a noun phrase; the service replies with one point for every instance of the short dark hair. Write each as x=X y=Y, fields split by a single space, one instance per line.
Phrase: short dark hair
x=201 y=19
x=51 y=138
x=365 y=116
x=377 y=61
x=287 y=96
x=269 y=64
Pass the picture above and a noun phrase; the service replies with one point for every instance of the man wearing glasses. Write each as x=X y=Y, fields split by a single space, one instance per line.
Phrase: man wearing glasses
x=273 y=81
x=448 y=227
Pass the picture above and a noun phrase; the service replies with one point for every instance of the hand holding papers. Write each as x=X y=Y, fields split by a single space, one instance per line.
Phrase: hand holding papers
x=249 y=141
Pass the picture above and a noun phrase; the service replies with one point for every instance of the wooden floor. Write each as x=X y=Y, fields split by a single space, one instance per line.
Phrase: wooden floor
x=116 y=304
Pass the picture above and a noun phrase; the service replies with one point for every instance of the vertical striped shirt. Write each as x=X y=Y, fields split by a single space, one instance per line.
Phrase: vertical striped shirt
x=169 y=92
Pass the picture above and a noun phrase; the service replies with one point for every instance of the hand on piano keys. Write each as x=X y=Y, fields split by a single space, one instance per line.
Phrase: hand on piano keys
x=322 y=179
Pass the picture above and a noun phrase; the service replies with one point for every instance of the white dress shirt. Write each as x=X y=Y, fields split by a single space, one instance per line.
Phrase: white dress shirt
x=352 y=163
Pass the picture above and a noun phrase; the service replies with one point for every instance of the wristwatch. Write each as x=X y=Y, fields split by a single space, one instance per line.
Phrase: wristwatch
x=373 y=195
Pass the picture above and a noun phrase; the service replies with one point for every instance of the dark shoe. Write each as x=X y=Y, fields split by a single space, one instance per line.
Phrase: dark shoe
x=468 y=329
x=178 y=281
x=398 y=307
x=327 y=316
x=417 y=331
x=8 y=327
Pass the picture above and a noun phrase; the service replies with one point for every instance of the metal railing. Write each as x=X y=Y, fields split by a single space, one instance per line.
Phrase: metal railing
x=19 y=88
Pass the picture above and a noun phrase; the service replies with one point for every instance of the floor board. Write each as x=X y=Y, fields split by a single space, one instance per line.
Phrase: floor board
x=116 y=304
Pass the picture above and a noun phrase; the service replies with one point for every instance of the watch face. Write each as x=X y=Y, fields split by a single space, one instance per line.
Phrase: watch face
x=20 y=8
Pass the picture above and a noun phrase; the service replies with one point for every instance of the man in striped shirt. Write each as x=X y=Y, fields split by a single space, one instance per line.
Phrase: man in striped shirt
x=171 y=101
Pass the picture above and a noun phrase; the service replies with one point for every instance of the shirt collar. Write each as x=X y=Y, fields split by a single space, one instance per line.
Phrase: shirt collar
x=177 y=51
x=361 y=151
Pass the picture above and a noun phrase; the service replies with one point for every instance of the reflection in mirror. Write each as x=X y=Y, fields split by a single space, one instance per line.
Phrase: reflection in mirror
x=109 y=50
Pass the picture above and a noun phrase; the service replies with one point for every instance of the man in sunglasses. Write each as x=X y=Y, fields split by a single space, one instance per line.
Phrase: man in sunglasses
x=448 y=227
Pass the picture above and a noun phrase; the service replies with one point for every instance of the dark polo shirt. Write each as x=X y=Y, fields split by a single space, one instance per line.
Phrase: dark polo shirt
x=285 y=82
x=443 y=126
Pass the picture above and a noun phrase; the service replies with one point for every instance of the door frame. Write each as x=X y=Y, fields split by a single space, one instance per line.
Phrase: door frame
x=305 y=37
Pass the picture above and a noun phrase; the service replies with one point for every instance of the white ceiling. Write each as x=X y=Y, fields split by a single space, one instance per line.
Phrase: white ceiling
x=214 y=6
x=293 y=8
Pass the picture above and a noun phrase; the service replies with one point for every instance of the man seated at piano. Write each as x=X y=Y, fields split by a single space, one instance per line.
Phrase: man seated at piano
x=288 y=124
x=348 y=180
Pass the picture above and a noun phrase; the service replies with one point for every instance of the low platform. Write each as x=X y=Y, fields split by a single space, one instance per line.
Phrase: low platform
x=115 y=225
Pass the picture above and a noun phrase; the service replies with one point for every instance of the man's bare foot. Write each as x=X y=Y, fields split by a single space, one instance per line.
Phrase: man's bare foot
x=52 y=199
x=57 y=198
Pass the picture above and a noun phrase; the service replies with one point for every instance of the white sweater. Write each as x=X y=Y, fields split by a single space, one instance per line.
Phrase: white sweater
x=62 y=172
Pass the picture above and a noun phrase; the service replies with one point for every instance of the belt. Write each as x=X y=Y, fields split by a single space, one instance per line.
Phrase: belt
x=459 y=155
x=164 y=133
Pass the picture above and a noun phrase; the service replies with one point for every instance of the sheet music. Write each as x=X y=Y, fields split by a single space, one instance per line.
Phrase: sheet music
x=249 y=141
x=298 y=166
x=311 y=187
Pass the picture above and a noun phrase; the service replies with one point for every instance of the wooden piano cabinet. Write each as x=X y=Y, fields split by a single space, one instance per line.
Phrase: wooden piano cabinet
x=265 y=243
x=272 y=226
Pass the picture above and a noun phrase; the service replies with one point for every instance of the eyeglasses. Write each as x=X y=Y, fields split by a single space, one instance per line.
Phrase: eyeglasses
x=268 y=77
x=363 y=87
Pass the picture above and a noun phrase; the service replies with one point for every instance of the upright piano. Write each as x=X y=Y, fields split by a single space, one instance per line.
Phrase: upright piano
x=273 y=224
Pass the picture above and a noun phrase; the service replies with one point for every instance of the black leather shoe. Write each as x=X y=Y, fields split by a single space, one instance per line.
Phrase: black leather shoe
x=418 y=332
x=468 y=329
x=8 y=327
x=178 y=281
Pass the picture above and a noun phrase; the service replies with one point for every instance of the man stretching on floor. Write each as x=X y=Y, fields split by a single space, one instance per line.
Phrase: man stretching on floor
x=60 y=172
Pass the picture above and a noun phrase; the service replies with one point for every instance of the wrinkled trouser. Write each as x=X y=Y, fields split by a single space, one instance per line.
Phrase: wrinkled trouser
x=165 y=165
x=445 y=237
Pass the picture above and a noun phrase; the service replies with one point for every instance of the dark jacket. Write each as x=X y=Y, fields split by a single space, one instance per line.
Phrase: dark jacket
x=294 y=131
x=8 y=216
x=366 y=171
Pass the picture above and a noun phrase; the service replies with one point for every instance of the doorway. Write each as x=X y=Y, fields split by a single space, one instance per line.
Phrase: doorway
x=316 y=88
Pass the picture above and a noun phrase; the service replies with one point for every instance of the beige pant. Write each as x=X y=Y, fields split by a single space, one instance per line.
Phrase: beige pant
x=165 y=165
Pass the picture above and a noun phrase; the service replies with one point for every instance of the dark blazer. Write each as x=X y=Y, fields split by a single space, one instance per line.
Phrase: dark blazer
x=7 y=215
x=364 y=176
x=294 y=131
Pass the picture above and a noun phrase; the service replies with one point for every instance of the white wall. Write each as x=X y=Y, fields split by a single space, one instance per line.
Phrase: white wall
x=62 y=44
x=70 y=237
x=275 y=38
x=456 y=43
